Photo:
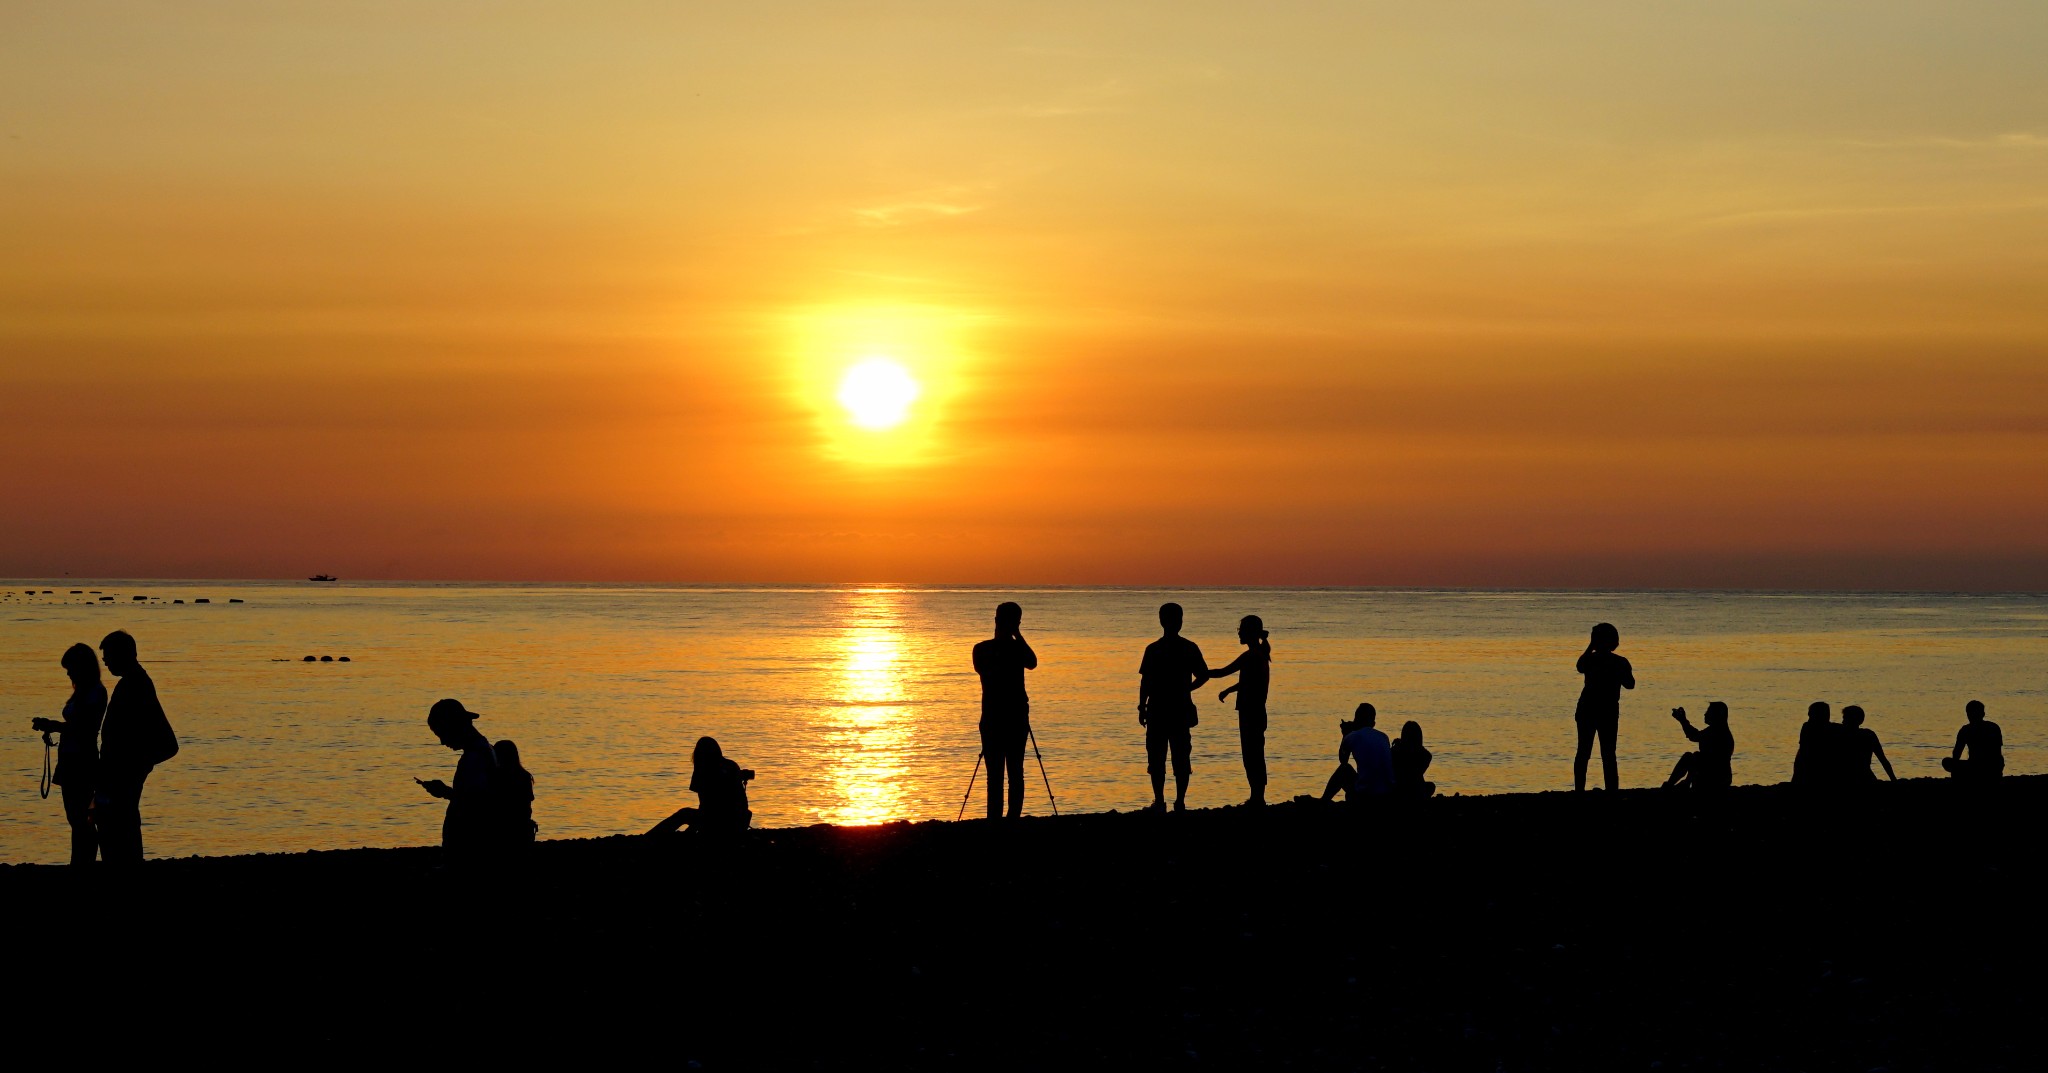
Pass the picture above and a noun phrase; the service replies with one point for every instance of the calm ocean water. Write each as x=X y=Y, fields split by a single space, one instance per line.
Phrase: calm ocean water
x=858 y=705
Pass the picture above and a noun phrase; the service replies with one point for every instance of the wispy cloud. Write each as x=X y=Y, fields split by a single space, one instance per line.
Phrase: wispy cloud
x=913 y=211
x=2021 y=140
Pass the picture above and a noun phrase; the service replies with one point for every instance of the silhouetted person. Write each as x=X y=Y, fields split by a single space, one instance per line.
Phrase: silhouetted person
x=1599 y=711
x=78 y=750
x=515 y=795
x=1712 y=765
x=1411 y=761
x=1818 y=764
x=473 y=827
x=1859 y=747
x=1005 y=708
x=1256 y=663
x=721 y=789
x=1167 y=679
x=135 y=737
x=1373 y=776
x=1985 y=743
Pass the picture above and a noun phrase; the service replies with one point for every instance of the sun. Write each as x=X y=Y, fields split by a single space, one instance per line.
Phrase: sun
x=877 y=393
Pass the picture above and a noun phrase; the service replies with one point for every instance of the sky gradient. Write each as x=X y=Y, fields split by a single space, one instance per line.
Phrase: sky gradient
x=1692 y=295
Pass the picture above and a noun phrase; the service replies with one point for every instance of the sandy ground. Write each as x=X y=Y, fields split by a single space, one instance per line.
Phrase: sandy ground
x=1898 y=929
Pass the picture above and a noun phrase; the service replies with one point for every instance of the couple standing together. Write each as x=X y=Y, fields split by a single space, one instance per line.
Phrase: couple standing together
x=1173 y=668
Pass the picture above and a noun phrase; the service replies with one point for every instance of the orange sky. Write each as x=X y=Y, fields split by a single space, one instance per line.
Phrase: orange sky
x=1738 y=295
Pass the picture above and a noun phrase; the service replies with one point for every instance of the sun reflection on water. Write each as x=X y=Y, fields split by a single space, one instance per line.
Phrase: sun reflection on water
x=870 y=717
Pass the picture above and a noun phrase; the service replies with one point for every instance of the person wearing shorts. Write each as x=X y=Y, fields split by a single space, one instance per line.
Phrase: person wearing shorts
x=1167 y=679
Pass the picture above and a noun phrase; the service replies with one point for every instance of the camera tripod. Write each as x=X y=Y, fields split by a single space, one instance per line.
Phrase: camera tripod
x=1033 y=735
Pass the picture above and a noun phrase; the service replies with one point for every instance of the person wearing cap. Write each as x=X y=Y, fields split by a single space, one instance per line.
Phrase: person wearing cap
x=467 y=830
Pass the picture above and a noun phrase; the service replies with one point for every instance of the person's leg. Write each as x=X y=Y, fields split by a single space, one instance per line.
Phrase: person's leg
x=1343 y=778
x=992 y=760
x=85 y=839
x=1183 y=745
x=1608 y=768
x=117 y=809
x=1681 y=770
x=1251 y=735
x=1585 y=753
x=1155 y=764
x=1014 y=764
x=1428 y=789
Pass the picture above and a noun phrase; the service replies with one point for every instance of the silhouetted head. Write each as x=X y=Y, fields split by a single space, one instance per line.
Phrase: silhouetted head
x=81 y=665
x=1852 y=716
x=118 y=649
x=1009 y=616
x=507 y=753
x=1818 y=712
x=1606 y=638
x=1974 y=710
x=1411 y=734
x=1170 y=618
x=707 y=752
x=452 y=723
x=1366 y=715
x=1251 y=628
x=1717 y=714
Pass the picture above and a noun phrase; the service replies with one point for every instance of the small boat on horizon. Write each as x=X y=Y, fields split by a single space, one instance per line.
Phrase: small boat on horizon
x=323 y=577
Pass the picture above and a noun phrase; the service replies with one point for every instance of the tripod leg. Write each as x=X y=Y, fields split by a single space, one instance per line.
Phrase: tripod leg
x=970 y=788
x=1041 y=771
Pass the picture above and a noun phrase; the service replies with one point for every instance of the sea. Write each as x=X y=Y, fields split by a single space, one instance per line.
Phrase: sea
x=858 y=704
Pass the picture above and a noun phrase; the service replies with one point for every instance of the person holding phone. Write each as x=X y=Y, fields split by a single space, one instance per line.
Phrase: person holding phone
x=1000 y=662
x=468 y=828
x=1598 y=715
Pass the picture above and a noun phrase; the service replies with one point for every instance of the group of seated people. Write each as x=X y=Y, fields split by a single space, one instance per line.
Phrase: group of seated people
x=1834 y=755
x=1384 y=769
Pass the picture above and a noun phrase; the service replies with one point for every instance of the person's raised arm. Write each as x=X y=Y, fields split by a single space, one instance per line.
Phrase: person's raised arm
x=1691 y=734
x=1583 y=657
x=1877 y=749
x=1030 y=657
x=1628 y=673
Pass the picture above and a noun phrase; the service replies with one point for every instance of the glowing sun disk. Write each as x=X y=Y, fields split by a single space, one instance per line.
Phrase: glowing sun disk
x=877 y=393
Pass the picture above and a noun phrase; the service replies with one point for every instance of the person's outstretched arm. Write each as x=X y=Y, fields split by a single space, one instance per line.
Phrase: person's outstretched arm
x=1229 y=668
x=1691 y=734
x=1877 y=748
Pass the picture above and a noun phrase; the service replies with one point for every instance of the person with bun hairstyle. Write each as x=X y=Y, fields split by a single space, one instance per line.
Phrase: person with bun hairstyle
x=1599 y=712
x=1255 y=664
x=471 y=827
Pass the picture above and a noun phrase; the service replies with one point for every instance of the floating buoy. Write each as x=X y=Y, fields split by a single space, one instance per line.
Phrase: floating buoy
x=106 y=599
x=234 y=601
x=202 y=600
x=343 y=659
x=141 y=597
x=77 y=592
x=310 y=659
x=327 y=659
x=177 y=601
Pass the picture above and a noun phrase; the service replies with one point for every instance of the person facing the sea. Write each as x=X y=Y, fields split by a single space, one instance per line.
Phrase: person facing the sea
x=1410 y=761
x=1818 y=764
x=1172 y=670
x=1607 y=673
x=1711 y=766
x=1984 y=742
x=1001 y=662
x=1256 y=663
x=1373 y=776
x=78 y=750
x=515 y=796
x=473 y=825
x=1859 y=747
x=135 y=737
x=721 y=789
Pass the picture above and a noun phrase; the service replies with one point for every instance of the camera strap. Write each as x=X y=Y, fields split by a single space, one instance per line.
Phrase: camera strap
x=48 y=771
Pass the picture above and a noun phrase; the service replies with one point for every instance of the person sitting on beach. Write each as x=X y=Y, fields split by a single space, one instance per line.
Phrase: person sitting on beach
x=1818 y=763
x=1599 y=711
x=515 y=796
x=721 y=789
x=470 y=829
x=1711 y=766
x=1859 y=747
x=78 y=751
x=1410 y=760
x=1172 y=670
x=1984 y=742
x=1256 y=661
x=1000 y=662
x=1374 y=774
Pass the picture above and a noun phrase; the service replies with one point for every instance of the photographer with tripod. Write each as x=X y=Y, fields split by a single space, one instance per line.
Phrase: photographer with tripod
x=78 y=752
x=1005 y=709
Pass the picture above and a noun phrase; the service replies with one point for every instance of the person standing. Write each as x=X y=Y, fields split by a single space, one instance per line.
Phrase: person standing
x=134 y=739
x=1172 y=670
x=1001 y=662
x=1256 y=663
x=1985 y=744
x=1599 y=712
x=471 y=829
x=78 y=751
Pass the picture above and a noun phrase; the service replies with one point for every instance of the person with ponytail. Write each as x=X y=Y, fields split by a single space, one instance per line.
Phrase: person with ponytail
x=1254 y=667
x=78 y=751
x=721 y=789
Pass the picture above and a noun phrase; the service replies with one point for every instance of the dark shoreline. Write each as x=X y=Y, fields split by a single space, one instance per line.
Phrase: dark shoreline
x=1890 y=929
